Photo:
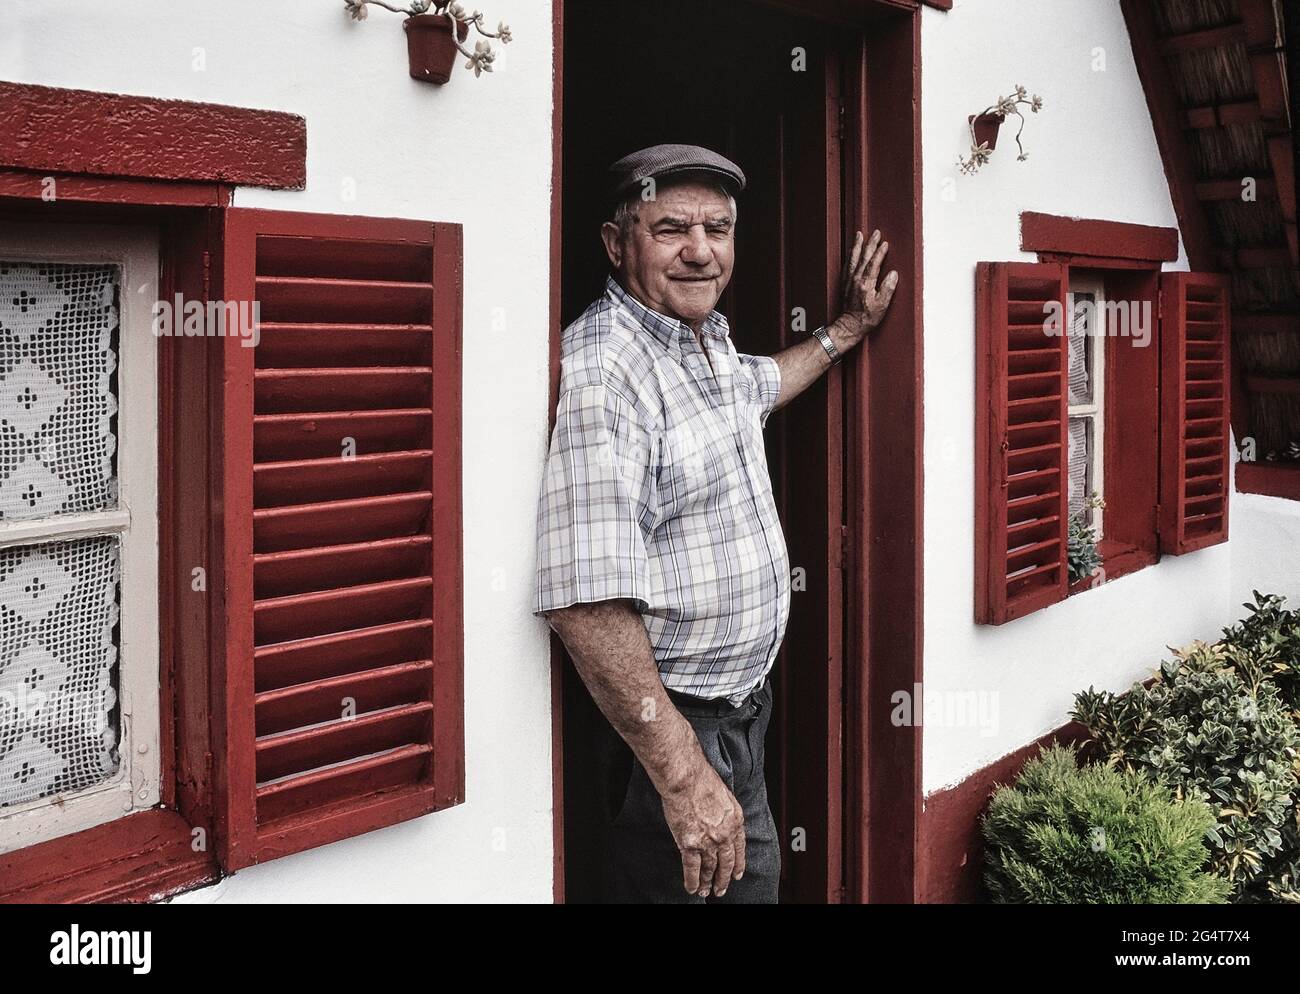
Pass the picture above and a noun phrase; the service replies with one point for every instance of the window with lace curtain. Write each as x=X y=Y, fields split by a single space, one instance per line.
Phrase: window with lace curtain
x=1087 y=394
x=79 y=725
x=1097 y=376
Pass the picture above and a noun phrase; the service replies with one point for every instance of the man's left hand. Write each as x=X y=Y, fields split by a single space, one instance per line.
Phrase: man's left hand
x=865 y=303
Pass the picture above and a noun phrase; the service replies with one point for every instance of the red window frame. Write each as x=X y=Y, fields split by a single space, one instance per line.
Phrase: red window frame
x=105 y=170
x=149 y=855
x=1148 y=517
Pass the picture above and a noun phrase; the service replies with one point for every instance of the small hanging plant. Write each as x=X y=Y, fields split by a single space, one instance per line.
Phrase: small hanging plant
x=435 y=30
x=984 y=128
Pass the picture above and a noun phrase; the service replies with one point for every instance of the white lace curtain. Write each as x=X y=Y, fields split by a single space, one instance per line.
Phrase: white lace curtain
x=58 y=600
x=1080 y=454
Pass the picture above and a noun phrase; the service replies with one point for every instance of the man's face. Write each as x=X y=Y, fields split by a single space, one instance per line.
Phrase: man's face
x=677 y=257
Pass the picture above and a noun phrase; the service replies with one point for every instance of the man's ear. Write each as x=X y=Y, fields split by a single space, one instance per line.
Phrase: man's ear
x=612 y=237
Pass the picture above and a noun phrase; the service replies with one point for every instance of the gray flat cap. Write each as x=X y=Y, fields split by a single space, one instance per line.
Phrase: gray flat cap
x=666 y=160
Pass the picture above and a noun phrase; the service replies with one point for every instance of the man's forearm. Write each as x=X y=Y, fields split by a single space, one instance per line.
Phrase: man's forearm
x=608 y=644
x=802 y=364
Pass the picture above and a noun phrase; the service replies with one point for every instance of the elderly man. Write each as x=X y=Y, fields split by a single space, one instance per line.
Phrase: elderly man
x=661 y=562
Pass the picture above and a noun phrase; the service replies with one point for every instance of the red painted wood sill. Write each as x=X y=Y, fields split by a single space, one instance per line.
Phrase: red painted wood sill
x=1272 y=479
x=141 y=858
x=1117 y=559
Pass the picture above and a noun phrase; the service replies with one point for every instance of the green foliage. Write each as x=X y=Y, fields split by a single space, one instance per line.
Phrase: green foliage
x=1081 y=551
x=1096 y=835
x=1281 y=874
x=1270 y=636
x=1214 y=727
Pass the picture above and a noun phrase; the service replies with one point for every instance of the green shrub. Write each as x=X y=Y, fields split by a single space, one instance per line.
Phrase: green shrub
x=1281 y=875
x=1270 y=636
x=1214 y=727
x=1096 y=835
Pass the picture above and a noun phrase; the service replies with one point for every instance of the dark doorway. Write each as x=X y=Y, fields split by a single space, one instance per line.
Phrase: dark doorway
x=764 y=87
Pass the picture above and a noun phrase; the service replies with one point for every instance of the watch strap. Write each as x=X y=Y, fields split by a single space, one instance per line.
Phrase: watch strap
x=828 y=345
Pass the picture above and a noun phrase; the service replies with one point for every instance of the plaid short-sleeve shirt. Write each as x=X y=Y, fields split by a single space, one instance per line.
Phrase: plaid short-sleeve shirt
x=656 y=489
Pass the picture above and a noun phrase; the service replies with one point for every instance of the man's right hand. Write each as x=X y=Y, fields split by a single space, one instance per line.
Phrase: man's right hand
x=708 y=825
x=608 y=644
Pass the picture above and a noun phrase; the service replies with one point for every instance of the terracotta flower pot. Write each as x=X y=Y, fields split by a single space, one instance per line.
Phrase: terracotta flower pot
x=430 y=48
x=986 y=128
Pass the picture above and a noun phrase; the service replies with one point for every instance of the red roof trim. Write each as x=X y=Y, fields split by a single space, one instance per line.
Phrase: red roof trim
x=1273 y=479
x=1167 y=118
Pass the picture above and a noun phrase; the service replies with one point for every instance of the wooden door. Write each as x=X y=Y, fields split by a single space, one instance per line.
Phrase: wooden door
x=779 y=117
x=786 y=278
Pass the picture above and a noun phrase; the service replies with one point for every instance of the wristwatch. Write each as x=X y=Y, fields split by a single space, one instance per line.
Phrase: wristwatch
x=828 y=345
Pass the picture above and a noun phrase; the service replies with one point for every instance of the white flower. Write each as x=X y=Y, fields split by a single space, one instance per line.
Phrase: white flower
x=481 y=60
x=356 y=9
x=503 y=32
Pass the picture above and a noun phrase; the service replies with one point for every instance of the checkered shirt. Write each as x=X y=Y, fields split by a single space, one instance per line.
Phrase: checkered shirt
x=656 y=489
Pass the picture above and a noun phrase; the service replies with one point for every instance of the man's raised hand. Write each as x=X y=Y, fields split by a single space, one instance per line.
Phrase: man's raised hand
x=865 y=303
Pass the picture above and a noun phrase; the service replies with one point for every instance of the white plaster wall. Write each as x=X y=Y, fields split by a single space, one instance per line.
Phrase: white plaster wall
x=1265 y=549
x=1092 y=153
x=476 y=151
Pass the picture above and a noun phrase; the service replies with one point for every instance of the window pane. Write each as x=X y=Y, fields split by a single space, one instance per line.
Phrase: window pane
x=1081 y=345
x=1080 y=463
x=58 y=357
x=58 y=667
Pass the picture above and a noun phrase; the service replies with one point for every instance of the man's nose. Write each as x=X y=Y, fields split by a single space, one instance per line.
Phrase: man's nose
x=697 y=248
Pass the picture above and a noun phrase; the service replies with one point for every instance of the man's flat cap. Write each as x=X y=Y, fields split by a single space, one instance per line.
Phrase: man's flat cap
x=629 y=172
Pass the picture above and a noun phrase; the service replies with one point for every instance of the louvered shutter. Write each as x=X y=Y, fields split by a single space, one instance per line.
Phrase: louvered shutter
x=1195 y=343
x=1021 y=445
x=341 y=526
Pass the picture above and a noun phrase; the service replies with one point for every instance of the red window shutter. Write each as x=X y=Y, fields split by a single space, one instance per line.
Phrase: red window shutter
x=341 y=525
x=1195 y=342
x=1021 y=443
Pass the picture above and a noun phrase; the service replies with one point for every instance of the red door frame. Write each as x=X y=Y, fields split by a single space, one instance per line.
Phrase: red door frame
x=883 y=478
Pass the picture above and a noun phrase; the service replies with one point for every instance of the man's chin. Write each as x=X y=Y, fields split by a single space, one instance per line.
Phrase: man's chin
x=694 y=315
x=695 y=302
